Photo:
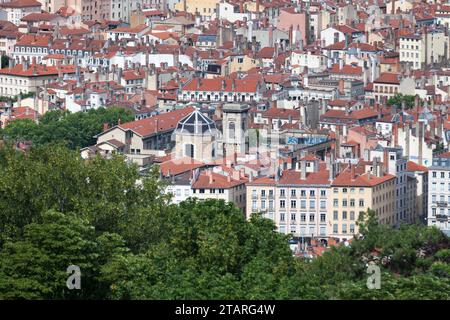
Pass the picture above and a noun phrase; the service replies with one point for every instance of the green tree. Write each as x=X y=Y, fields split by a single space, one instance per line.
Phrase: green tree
x=399 y=98
x=34 y=267
x=76 y=130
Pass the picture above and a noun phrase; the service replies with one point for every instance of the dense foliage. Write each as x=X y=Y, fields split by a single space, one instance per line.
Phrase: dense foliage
x=76 y=130
x=398 y=99
x=57 y=210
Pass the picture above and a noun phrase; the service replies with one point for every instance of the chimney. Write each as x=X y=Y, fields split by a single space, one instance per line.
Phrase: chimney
x=386 y=160
x=332 y=167
x=233 y=85
x=105 y=126
x=302 y=169
x=352 y=172
x=209 y=173
x=199 y=82
x=375 y=166
x=223 y=85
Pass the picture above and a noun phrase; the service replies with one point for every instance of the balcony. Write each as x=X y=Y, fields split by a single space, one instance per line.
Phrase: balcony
x=441 y=204
x=441 y=217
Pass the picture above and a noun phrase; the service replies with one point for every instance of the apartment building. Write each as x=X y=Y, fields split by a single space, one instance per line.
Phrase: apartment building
x=439 y=193
x=226 y=185
x=396 y=164
x=420 y=173
x=15 y=10
x=354 y=193
x=296 y=199
x=386 y=86
x=221 y=90
x=419 y=50
x=25 y=78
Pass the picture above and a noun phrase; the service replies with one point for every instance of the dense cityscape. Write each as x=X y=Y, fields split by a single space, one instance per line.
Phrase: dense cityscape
x=286 y=145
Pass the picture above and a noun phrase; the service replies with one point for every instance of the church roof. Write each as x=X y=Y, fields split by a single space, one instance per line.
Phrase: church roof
x=196 y=123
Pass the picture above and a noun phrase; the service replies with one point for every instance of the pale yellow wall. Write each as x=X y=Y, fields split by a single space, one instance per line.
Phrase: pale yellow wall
x=380 y=198
x=203 y=7
x=246 y=64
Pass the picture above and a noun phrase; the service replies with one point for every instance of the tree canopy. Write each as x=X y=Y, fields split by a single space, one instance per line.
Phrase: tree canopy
x=76 y=130
x=398 y=100
x=119 y=227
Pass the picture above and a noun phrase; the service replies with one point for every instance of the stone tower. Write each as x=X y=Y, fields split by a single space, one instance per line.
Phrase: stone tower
x=235 y=128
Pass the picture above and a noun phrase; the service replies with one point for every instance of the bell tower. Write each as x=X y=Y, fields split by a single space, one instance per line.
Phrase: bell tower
x=235 y=128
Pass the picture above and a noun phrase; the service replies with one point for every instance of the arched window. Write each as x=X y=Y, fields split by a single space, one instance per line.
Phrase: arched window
x=231 y=130
x=189 y=150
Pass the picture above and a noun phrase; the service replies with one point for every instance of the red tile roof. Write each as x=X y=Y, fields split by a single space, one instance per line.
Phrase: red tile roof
x=389 y=78
x=365 y=180
x=412 y=166
x=347 y=69
x=35 y=70
x=175 y=167
x=21 y=4
x=160 y=123
x=278 y=113
x=218 y=181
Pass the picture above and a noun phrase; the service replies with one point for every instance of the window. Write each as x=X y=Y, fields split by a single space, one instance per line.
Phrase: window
x=202 y=190
x=293 y=204
x=344 y=228
x=323 y=217
x=303 y=217
x=352 y=215
x=311 y=217
x=303 y=204
x=303 y=193
x=352 y=228
x=231 y=130
x=263 y=204
x=323 y=204
x=292 y=216
x=335 y=202
x=292 y=192
x=344 y=215
x=323 y=193
x=352 y=202
x=254 y=205
x=361 y=202
x=344 y=202
x=263 y=193
x=282 y=216
x=282 y=204
x=312 y=193
x=335 y=228
x=189 y=150
x=335 y=215
x=282 y=193
x=312 y=204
